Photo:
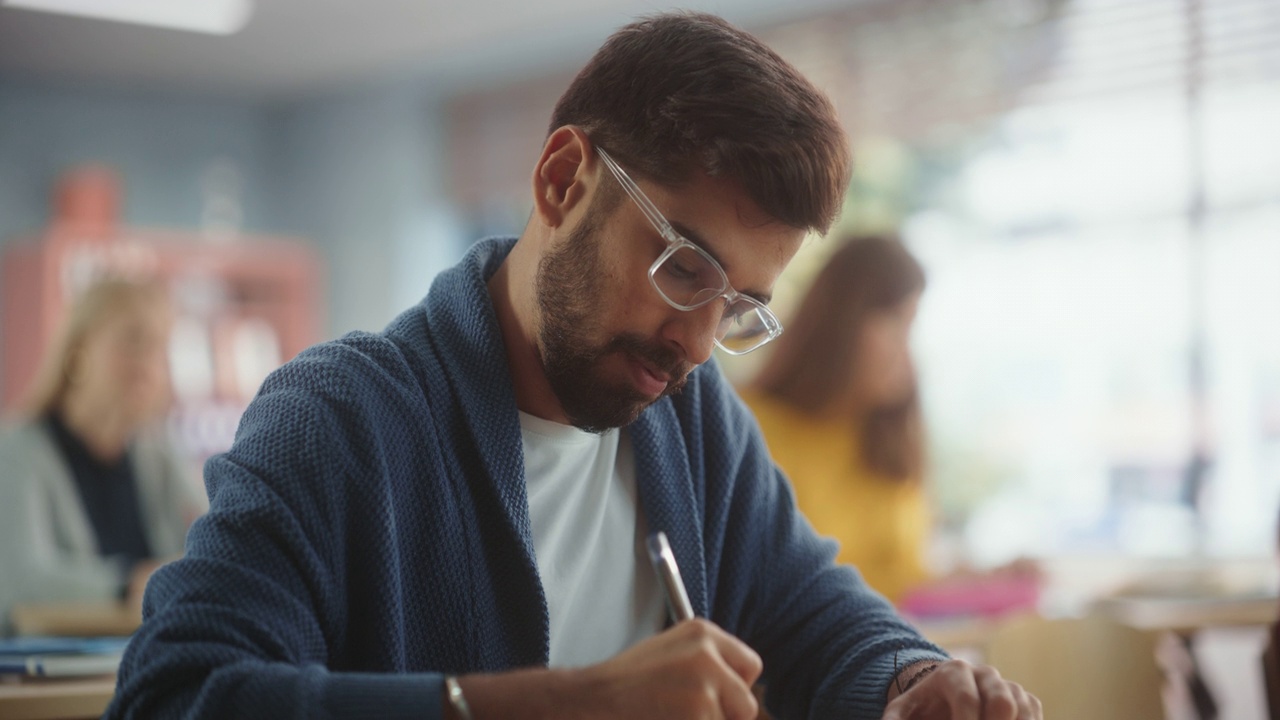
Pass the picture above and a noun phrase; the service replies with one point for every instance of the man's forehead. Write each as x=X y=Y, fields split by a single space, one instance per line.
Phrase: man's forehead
x=718 y=215
x=752 y=260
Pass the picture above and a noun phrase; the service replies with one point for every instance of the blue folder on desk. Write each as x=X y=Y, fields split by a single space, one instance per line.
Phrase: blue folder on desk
x=61 y=656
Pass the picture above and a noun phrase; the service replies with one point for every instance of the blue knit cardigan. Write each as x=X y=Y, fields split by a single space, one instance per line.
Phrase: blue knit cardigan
x=369 y=532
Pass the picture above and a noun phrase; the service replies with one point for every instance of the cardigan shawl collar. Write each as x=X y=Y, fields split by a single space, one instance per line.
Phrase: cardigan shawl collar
x=466 y=340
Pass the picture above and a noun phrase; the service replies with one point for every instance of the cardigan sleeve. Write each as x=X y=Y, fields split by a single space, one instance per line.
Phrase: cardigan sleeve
x=245 y=624
x=830 y=644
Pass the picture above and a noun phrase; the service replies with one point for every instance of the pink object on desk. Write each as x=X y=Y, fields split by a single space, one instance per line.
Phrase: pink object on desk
x=977 y=595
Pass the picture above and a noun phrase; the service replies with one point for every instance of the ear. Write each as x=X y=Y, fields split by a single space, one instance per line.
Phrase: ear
x=562 y=177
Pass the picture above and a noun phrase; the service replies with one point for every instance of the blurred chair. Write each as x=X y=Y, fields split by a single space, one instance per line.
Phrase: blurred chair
x=1271 y=672
x=1089 y=668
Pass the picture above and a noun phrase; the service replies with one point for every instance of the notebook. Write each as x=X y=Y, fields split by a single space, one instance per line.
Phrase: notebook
x=60 y=656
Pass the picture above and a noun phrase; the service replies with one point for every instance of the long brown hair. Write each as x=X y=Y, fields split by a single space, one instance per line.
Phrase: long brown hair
x=810 y=367
x=105 y=299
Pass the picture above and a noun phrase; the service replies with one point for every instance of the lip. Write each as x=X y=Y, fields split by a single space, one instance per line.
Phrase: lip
x=649 y=381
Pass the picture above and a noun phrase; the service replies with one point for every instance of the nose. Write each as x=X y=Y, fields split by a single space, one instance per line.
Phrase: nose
x=693 y=332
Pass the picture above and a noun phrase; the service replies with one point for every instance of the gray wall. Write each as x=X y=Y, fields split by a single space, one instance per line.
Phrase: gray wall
x=361 y=176
x=355 y=172
x=162 y=145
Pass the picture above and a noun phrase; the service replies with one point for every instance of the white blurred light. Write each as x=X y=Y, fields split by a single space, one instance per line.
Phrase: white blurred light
x=215 y=17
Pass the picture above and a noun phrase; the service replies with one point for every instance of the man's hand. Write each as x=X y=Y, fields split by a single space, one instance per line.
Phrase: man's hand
x=956 y=690
x=692 y=671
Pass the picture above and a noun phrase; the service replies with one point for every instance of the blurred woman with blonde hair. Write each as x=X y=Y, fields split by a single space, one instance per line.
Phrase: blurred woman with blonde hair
x=838 y=404
x=92 y=494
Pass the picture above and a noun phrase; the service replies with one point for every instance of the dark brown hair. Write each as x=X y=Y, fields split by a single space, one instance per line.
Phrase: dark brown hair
x=677 y=92
x=811 y=365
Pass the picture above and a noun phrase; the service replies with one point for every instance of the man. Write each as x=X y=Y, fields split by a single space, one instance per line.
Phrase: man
x=448 y=519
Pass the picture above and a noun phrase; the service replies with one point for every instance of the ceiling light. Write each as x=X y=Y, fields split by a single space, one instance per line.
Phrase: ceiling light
x=216 y=17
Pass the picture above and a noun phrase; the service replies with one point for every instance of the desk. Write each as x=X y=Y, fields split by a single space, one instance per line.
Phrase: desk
x=1190 y=617
x=1183 y=615
x=1186 y=615
x=76 y=619
x=63 y=699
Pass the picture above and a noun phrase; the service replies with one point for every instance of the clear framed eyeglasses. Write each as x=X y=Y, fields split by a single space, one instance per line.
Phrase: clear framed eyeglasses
x=689 y=278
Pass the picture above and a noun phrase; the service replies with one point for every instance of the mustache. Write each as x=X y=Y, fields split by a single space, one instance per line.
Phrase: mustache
x=661 y=357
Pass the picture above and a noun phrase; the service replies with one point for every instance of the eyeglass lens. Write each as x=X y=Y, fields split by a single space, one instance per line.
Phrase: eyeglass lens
x=687 y=279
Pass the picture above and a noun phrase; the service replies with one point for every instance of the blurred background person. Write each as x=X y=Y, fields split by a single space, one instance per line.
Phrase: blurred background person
x=92 y=495
x=840 y=410
x=839 y=404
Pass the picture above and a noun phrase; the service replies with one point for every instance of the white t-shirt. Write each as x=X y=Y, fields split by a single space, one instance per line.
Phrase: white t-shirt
x=588 y=540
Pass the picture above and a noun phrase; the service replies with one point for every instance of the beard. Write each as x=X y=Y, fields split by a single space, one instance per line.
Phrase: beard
x=569 y=294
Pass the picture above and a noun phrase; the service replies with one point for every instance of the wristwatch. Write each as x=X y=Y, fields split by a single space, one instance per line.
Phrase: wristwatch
x=453 y=691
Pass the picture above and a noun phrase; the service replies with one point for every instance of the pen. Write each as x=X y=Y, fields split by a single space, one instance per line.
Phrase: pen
x=664 y=563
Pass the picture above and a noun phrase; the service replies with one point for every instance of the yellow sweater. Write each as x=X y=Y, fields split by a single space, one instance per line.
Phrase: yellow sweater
x=881 y=524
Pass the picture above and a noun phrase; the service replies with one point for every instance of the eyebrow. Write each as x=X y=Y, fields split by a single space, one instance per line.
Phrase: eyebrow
x=696 y=239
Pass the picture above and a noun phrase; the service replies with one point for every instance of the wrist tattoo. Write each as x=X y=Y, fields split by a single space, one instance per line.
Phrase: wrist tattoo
x=897 y=675
x=916 y=679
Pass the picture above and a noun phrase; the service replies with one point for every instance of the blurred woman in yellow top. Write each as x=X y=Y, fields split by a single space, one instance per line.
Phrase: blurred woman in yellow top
x=838 y=404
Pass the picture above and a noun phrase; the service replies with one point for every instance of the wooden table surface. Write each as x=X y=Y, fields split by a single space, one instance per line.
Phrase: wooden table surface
x=37 y=699
x=76 y=619
x=56 y=698
x=65 y=698
x=1189 y=614
x=1184 y=615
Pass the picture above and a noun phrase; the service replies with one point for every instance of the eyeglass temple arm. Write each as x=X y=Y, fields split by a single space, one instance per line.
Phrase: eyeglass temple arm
x=647 y=207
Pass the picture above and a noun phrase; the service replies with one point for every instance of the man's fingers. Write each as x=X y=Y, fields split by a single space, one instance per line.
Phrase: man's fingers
x=1028 y=704
x=998 y=700
x=742 y=667
x=744 y=661
x=737 y=702
x=963 y=696
x=1005 y=700
x=739 y=656
x=963 y=692
x=732 y=664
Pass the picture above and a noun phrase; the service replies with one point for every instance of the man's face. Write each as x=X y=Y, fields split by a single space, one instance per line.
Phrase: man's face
x=610 y=345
